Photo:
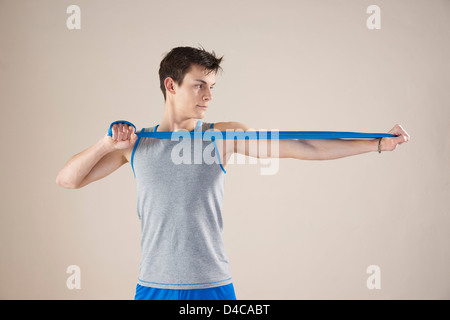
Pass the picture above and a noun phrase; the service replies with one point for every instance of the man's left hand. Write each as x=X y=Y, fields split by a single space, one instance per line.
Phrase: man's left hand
x=389 y=144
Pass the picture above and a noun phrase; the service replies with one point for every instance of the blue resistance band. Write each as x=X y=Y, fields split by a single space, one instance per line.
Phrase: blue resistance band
x=258 y=135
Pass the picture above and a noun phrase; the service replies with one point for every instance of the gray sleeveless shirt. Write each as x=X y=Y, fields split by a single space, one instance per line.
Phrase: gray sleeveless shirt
x=179 y=206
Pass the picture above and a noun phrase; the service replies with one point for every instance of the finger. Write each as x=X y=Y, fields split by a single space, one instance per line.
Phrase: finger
x=119 y=132
x=400 y=139
x=134 y=135
x=114 y=131
x=131 y=132
x=397 y=130
x=404 y=136
x=124 y=132
x=125 y=135
x=400 y=132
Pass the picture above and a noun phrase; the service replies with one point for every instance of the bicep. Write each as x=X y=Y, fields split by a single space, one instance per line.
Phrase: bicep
x=266 y=148
x=107 y=165
x=276 y=148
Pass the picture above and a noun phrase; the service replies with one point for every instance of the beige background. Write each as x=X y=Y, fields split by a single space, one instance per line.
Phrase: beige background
x=308 y=232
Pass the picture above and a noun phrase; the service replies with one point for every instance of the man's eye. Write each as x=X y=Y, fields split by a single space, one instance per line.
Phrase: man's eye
x=200 y=85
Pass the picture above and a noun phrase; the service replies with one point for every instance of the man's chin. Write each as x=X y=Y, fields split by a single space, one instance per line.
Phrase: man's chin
x=200 y=115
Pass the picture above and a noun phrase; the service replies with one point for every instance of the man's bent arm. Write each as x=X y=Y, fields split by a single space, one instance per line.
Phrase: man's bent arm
x=100 y=160
x=79 y=166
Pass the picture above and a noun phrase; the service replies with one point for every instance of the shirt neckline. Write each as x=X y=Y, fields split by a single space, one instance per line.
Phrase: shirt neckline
x=199 y=123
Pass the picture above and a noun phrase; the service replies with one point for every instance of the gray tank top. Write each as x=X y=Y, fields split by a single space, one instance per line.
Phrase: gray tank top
x=180 y=210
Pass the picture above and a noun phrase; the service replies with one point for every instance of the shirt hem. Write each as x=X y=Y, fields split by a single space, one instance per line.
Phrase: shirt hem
x=186 y=286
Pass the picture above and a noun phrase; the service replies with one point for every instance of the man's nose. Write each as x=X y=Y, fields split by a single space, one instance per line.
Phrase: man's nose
x=208 y=95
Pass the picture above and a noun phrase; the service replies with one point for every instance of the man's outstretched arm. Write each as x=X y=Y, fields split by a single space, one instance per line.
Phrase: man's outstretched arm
x=329 y=149
x=313 y=149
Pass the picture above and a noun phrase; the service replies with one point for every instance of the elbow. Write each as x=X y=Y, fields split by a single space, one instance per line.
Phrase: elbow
x=308 y=151
x=64 y=183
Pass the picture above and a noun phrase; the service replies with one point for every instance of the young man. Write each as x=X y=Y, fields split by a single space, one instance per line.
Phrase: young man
x=179 y=205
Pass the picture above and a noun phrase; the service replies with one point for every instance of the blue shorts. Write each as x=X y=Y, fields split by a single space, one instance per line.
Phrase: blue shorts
x=217 y=293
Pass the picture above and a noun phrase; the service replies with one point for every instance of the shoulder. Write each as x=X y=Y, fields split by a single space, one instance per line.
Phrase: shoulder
x=233 y=125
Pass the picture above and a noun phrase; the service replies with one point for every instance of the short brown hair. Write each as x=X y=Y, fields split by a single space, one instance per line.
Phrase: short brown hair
x=179 y=60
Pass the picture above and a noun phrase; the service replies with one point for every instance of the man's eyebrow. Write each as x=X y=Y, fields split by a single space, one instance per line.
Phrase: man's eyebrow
x=204 y=81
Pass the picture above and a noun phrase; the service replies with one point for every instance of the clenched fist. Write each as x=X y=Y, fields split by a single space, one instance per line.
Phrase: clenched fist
x=389 y=144
x=123 y=136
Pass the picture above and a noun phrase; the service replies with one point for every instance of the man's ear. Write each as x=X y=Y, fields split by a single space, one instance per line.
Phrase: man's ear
x=170 y=84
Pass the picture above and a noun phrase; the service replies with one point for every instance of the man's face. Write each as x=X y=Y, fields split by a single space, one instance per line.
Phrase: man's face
x=194 y=95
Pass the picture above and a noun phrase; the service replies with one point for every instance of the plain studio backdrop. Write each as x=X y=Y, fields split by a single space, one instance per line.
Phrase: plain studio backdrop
x=311 y=230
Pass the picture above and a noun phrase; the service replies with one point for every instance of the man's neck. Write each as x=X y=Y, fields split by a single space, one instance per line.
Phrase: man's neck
x=171 y=122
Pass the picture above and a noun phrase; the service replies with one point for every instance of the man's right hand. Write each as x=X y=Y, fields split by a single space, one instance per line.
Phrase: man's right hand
x=123 y=136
